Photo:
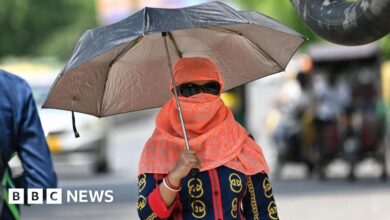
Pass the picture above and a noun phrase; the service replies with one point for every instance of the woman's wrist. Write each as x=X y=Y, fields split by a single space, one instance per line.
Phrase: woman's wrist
x=169 y=185
x=174 y=179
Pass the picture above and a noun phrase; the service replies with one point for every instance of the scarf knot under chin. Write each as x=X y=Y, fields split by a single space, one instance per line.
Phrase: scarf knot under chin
x=212 y=132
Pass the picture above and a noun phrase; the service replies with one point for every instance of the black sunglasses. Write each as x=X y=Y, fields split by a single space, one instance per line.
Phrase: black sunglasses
x=190 y=89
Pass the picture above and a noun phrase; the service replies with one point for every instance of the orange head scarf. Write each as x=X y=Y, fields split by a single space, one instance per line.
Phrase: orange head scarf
x=211 y=129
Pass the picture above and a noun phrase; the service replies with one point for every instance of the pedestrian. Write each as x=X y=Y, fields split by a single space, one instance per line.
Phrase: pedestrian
x=232 y=182
x=21 y=133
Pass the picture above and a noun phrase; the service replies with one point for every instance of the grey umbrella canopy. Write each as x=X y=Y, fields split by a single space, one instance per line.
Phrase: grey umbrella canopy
x=123 y=67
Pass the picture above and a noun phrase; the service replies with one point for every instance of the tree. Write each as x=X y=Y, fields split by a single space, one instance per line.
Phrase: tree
x=43 y=27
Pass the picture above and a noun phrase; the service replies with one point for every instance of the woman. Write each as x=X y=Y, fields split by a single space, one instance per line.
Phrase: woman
x=232 y=182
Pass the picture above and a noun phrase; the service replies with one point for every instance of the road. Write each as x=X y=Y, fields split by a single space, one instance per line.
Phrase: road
x=298 y=199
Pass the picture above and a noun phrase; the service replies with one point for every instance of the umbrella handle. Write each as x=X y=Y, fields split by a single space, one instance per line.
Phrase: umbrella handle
x=187 y=145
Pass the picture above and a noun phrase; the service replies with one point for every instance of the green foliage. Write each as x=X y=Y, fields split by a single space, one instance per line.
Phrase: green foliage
x=385 y=45
x=43 y=27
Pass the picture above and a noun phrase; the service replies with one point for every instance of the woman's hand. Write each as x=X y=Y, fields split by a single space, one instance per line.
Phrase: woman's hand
x=184 y=164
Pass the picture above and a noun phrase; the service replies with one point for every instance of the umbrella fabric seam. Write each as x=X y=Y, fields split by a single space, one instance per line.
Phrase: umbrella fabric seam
x=221 y=29
x=262 y=52
x=123 y=52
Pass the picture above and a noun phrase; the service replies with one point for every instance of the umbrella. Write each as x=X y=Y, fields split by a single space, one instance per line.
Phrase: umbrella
x=126 y=66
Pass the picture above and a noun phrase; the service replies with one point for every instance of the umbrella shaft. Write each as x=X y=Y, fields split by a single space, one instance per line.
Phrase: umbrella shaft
x=187 y=145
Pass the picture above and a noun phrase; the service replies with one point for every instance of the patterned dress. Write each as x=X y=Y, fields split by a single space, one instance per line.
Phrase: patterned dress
x=220 y=193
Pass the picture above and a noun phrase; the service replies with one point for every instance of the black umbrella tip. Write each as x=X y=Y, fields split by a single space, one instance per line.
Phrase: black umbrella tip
x=76 y=133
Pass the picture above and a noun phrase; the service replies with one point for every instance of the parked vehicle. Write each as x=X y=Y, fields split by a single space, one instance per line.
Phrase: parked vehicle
x=344 y=115
x=291 y=134
x=90 y=148
x=356 y=130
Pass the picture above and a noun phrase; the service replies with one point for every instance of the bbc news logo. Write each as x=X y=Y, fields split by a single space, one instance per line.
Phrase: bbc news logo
x=55 y=196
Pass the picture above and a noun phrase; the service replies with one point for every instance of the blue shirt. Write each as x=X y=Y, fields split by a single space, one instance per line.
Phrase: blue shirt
x=21 y=132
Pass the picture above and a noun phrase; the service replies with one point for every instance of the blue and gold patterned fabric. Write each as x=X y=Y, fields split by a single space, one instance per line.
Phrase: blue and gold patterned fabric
x=220 y=193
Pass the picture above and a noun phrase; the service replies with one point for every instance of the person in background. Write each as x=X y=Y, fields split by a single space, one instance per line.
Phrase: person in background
x=21 y=134
x=293 y=103
x=331 y=96
x=232 y=182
